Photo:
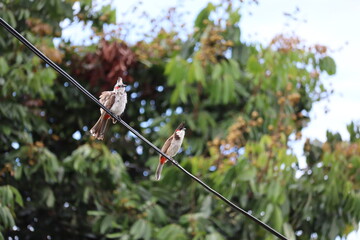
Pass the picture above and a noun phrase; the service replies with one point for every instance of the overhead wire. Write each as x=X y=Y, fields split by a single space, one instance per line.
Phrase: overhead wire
x=23 y=40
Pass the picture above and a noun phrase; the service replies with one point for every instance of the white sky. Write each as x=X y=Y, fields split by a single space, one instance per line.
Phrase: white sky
x=328 y=22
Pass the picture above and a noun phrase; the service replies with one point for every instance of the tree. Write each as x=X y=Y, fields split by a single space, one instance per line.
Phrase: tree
x=241 y=102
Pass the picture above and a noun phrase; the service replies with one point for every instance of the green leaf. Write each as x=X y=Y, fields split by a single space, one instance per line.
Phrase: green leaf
x=226 y=85
x=112 y=16
x=277 y=218
x=110 y=13
x=40 y=5
x=106 y=223
x=247 y=174
x=11 y=220
x=157 y=214
x=235 y=69
x=18 y=173
x=274 y=191
x=6 y=196
x=241 y=90
x=218 y=91
x=115 y=235
x=182 y=92
x=49 y=196
x=6 y=218
x=204 y=15
x=174 y=99
x=86 y=194
x=3 y=218
x=217 y=71
x=234 y=16
x=268 y=212
x=206 y=206
x=170 y=66
x=141 y=229
x=11 y=19
x=253 y=65
x=199 y=72
x=172 y=232
x=289 y=232
x=214 y=236
x=191 y=74
x=18 y=198
x=234 y=34
x=176 y=70
x=328 y=64
x=96 y=213
x=334 y=229
x=4 y=67
x=48 y=75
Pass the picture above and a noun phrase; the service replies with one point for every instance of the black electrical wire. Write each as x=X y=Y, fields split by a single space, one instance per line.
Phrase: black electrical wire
x=11 y=30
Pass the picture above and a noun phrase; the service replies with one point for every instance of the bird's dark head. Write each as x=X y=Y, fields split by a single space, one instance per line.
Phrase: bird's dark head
x=181 y=127
x=119 y=84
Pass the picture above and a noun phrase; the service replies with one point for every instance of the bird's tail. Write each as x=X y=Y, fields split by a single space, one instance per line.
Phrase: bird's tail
x=160 y=167
x=99 y=129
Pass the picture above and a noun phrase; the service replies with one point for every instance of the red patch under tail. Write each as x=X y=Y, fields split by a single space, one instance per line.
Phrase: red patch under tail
x=107 y=116
x=163 y=159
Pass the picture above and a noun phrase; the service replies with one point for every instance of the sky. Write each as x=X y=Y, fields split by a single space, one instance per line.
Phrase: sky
x=327 y=22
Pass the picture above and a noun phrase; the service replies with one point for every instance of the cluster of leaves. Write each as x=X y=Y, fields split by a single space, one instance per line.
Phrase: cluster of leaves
x=241 y=103
x=105 y=65
x=30 y=137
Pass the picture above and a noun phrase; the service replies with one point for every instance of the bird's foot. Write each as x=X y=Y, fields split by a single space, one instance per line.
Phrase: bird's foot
x=114 y=120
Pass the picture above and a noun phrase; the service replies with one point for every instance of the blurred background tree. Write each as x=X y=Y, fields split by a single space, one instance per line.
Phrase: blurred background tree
x=242 y=104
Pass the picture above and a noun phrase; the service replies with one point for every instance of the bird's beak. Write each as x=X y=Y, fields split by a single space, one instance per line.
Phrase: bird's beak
x=123 y=85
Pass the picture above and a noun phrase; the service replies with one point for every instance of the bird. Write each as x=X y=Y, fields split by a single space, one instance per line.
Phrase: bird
x=115 y=101
x=171 y=147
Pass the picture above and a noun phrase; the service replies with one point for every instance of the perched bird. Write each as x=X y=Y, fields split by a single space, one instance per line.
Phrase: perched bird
x=115 y=101
x=171 y=148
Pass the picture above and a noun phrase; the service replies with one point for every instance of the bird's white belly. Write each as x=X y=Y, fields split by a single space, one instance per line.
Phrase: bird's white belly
x=174 y=147
x=119 y=105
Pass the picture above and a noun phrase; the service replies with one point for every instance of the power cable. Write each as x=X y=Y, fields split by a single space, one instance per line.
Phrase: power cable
x=22 y=39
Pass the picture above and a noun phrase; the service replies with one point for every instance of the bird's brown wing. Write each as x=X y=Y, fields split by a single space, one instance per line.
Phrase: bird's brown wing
x=107 y=98
x=167 y=144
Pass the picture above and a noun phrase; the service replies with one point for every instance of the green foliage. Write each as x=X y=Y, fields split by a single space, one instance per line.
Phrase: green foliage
x=38 y=157
x=4 y=67
x=203 y=16
x=141 y=229
x=354 y=131
x=241 y=103
x=328 y=64
x=8 y=197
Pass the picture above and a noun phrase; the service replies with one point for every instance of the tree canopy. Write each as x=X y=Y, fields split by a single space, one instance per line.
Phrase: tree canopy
x=243 y=103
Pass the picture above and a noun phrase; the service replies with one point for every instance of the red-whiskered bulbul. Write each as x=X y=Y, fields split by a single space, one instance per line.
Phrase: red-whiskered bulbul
x=171 y=148
x=115 y=101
